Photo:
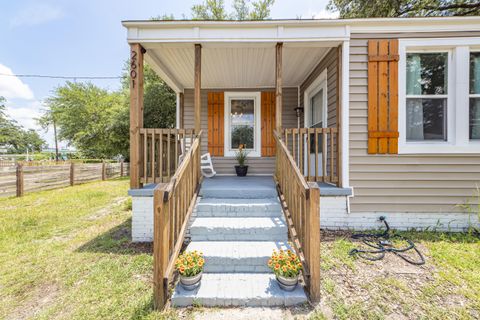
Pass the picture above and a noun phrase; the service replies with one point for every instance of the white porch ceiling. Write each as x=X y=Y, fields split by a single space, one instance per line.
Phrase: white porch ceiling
x=224 y=66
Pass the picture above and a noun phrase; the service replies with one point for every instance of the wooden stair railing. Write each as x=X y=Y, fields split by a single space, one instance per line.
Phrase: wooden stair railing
x=301 y=203
x=173 y=203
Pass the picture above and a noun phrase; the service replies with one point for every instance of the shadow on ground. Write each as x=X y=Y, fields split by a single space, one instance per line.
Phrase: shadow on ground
x=117 y=240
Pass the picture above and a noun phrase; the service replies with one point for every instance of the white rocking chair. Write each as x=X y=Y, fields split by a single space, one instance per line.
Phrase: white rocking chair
x=206 y=166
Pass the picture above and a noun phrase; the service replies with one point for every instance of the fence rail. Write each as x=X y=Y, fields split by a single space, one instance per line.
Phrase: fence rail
x=301 y=202
x=173 y=204
x=315 y=151
x=161 y=151
x=20 y=179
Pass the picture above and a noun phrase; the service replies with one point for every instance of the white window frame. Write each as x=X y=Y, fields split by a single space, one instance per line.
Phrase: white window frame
x=256 y=96
x=457 y=97
x=471 y=95
x=318 y=84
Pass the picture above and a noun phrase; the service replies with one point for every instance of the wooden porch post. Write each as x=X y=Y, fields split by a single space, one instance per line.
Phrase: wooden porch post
x=136 y=112
x=181 y=122
x=198 y=86
x=278 y=86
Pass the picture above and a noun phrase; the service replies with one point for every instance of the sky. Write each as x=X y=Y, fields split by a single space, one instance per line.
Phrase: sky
x=83 y=38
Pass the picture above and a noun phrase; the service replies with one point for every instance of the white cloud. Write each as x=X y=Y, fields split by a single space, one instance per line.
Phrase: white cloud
x=25 y=113
x=322 y=14
x=12 y=87
x=35 y=14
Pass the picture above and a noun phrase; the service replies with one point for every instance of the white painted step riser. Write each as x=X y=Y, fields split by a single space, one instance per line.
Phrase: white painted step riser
x=230 y=213
x=251 y=236
x=233 y=267
x=231 y=205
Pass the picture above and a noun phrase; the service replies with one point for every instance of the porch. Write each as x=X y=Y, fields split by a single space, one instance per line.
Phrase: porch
x=278 y=98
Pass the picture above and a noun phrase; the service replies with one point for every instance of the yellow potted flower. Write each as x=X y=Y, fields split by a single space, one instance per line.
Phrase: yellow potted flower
x=287 y=266
x=190 y=267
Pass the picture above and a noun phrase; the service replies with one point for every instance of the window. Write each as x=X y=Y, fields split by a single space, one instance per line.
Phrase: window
x=427 y=94
x=316 y=109
x=474 y=110
x=242 y=122
x=439 y=95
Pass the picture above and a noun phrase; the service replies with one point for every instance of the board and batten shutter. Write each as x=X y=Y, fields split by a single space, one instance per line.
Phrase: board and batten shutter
x=383 y=96
x=216 y=123
x=268 y=123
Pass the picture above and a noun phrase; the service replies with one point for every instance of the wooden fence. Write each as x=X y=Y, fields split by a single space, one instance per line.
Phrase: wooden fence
x=20 y=179
x=301 y=203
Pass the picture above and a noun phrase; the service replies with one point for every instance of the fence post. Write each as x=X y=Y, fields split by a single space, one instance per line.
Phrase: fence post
x=161 y=248
x=121 y=168
x=104 y=172
x=313 y=233
x=19 y=180
x=72 y=173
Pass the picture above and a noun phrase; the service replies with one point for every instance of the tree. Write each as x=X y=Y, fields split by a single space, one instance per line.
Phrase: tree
x=47 y=120
x=404 y=8
x=215 y=10
x=87 y=117
x=14 y=137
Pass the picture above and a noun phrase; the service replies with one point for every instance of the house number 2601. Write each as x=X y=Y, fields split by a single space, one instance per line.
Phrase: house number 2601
x=133 y=67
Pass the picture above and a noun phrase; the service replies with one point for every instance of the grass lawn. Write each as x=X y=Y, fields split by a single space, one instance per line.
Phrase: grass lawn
x=66 y=254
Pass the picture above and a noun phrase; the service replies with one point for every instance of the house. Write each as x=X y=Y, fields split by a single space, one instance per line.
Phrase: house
x=383 y=115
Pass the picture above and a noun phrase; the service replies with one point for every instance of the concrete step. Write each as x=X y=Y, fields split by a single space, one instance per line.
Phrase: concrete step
x=238 y=229
x=238 y=289
x=238 y=187
x=228 y=207
x=237 y=256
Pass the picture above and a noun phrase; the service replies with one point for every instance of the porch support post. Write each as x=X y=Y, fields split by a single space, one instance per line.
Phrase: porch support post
x=136 y=112
x=181 y=111
x=339 y=116
x=278 y=86
x=198 y=86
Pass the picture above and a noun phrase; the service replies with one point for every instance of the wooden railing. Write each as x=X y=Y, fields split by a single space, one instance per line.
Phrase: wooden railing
x=315 y=151
x=173 y=203
x=161 y=151
x=301 y=203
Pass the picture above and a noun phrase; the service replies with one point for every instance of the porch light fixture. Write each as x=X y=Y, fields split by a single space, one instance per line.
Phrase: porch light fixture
x=299 y=112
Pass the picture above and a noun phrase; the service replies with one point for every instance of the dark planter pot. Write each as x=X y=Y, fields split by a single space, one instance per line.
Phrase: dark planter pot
x=241 y=171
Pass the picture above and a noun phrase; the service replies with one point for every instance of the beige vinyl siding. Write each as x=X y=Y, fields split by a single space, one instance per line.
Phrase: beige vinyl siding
x=401 y=183
x=224 y=165
x=330 y=63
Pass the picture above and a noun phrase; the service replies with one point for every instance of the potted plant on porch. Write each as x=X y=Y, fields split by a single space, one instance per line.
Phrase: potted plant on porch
x=241 y=156
x=190 y=267
x=287 y=266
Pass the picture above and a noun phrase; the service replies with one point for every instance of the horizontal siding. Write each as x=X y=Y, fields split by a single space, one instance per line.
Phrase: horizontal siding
x=400 y=183
x=225 y=165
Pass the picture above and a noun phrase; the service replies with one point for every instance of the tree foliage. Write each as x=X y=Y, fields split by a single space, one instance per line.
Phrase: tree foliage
x=404 y=8
x=16 y=138
x=242 y=10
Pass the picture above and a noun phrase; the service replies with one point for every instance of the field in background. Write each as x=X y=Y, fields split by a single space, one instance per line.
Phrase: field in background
x=66 y=254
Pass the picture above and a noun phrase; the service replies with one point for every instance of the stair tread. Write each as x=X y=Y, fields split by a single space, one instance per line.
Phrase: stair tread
x=238 y=289
x=238 y=249
x=236 y=223
x=238 y=201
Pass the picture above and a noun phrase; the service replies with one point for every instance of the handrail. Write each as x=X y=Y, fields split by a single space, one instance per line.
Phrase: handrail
x=301 y=204
x=173 y=203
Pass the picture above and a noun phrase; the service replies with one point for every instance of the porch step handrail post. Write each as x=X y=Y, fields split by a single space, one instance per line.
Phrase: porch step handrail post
x=136 y=112
x=278 y=86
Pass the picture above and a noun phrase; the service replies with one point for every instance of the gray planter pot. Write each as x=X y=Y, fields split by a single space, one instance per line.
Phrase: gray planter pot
x=190 y=283
x=287 y=284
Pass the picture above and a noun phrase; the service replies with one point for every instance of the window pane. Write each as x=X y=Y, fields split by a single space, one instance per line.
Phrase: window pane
x=426 y=119
x=242 y=120
x=427 y=73
x=474 y=118
x=475 y=72
x=316 y=105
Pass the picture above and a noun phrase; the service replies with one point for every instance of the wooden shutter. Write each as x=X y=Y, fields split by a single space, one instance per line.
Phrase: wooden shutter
x=268 y=124
x=215 y=123
x=383 y=96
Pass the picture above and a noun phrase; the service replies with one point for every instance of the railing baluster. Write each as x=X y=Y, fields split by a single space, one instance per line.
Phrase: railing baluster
x=332 y=173
x=315 y=132
x=324 y=155
x=152 y=155
x=145 y=158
